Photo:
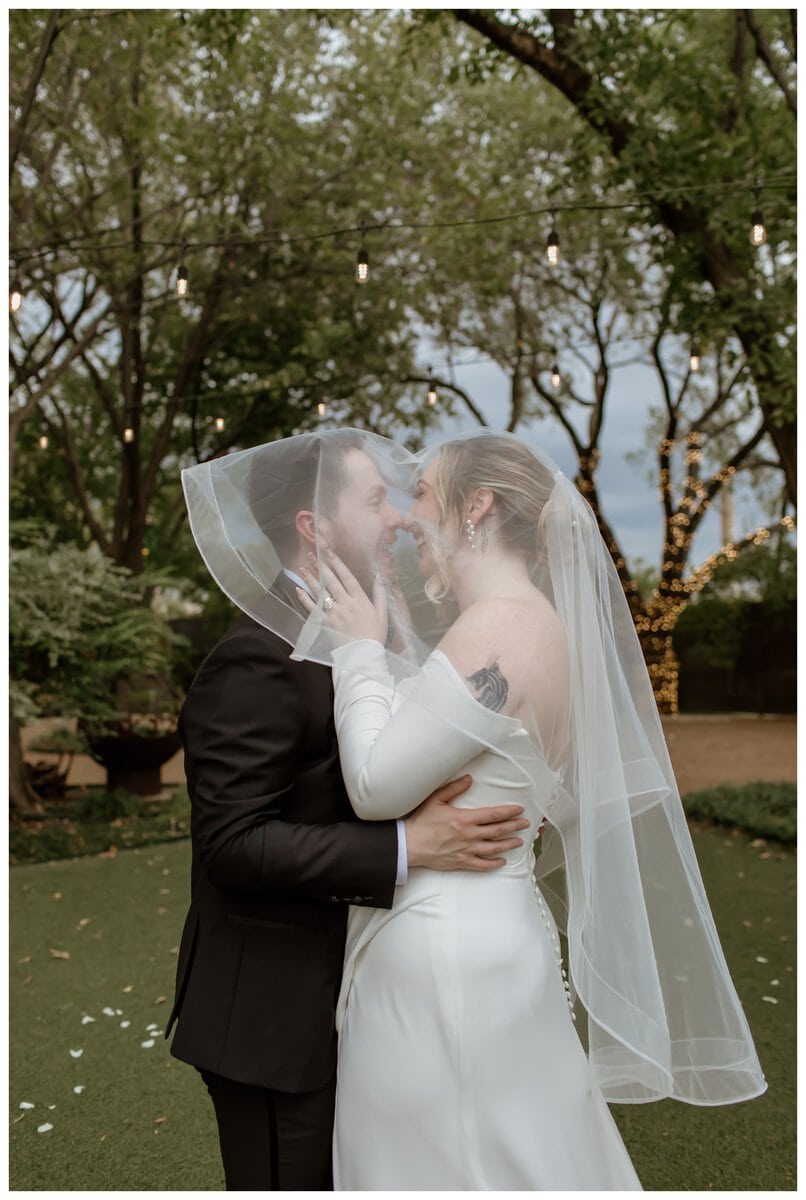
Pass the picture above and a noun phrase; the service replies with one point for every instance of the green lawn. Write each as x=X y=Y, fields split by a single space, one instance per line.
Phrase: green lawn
x=143 y=1121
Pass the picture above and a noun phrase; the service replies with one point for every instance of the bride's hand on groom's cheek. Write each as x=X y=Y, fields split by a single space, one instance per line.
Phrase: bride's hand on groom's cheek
x=345 y=605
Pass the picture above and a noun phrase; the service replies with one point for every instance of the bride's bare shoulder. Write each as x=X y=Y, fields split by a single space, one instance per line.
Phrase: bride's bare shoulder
x=497 y=643
x=505 y=622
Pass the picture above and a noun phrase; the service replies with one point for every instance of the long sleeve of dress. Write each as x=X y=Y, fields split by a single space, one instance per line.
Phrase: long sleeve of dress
x=395 y=753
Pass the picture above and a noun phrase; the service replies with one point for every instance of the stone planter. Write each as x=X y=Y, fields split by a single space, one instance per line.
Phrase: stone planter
x=133 y=760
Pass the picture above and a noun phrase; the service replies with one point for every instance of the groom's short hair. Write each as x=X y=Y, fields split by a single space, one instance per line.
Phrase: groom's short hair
x=308 y=476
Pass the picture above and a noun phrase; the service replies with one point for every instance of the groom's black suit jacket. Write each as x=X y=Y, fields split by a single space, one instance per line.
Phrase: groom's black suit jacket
x=277 y=856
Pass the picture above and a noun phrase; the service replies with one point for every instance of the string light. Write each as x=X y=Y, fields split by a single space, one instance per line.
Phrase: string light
x=321 y=408
x=15 y=296
x=553 y=244
x=219 y=424
x=43 y=442
x=431 y=394
x=128 y=434
x=694 y=361
x=362 y=262
x=758 y=233
x=556 y=378
x=182 y=276
x=782 y=180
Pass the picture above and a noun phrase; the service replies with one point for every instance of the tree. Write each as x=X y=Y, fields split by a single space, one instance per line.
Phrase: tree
x=125 y=379
x=636 y=77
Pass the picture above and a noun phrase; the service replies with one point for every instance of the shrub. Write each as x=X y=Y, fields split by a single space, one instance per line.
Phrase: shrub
x=98 y=805
x=766 y=810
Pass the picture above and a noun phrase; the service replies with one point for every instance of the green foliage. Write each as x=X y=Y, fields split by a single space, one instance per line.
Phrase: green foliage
x=765 y=572
x=767 y=810
x=252 y=129
x=750 y=596
x=92 y=820
x=83 y=642
x=96 y=805
x=710 y=632
x=59 y=741
x=249 y=129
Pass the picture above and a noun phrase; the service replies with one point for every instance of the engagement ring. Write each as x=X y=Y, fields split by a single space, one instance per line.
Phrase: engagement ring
x=328 y=603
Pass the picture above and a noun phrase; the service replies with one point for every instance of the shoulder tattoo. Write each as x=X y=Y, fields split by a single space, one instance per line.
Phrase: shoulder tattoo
x=491 y=686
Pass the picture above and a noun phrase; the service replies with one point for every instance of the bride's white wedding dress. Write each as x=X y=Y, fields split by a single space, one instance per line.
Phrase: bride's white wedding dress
x=459 y=1064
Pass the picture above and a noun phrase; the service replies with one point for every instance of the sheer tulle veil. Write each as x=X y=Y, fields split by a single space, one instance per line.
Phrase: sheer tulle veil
x=616 y=862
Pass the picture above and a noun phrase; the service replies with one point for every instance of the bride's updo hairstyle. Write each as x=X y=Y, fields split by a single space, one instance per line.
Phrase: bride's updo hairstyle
x=519 y=482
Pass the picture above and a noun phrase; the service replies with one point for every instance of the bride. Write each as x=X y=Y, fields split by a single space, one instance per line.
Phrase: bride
x=461 y=1066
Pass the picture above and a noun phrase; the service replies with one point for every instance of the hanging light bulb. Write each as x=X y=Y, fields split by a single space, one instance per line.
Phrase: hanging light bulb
x=556 y=378
x=15 y=296
x=321 y=408
x=43 y=442
x=694 y=361
x=219 y=424
x=362 y=266
x=362 y=262
x=553 y=245
x=182 y=276
x=758 y=234
x=431 y=394
x=128 y=434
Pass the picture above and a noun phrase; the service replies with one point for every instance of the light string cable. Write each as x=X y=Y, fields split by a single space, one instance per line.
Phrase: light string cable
x=645 y=199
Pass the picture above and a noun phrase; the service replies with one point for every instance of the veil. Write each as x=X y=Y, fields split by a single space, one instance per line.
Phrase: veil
x=616 y=863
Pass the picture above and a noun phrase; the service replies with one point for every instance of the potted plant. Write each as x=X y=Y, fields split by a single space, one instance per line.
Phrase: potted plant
x=86 y=646
x=139 y=739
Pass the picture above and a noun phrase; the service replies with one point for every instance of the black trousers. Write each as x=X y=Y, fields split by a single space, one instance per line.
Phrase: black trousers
x=273 y=1141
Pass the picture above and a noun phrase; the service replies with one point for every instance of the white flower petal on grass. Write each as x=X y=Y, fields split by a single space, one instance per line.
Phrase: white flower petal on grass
x=147 y=1044
x=770 y=999
x=78 y=1089
x=26 y=1104
x=46 y=1128
x=118 y=1012
x=774 y=982
x=108 y=1012
x=760 y=958
x=76 y=1053
x=153 y=1025
x=125 y=1024
x=87 y=1020
x=51 y=1107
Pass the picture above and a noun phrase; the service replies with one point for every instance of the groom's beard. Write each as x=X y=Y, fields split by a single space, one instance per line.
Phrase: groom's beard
x=357 y=560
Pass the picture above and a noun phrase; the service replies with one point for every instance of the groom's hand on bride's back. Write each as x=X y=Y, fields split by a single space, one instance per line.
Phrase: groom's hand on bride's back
x=445 y=838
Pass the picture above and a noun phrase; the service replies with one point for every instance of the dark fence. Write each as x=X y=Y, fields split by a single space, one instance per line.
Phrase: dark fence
x=737 y=656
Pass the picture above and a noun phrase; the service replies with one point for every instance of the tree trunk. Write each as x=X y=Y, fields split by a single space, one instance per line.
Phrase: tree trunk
x=23 y=800
x=663 y=666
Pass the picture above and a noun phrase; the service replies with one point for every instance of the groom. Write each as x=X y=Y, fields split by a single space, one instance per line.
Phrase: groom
x=278 y=854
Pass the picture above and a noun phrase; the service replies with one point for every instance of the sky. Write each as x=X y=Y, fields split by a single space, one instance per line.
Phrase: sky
x=629 y=498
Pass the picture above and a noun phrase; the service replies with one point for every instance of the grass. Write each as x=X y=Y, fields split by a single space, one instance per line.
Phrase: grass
x=743 y=1147
x=143 y=1120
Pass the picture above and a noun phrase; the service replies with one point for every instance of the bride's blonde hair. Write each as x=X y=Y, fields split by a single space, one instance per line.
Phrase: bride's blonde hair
x=520 y=484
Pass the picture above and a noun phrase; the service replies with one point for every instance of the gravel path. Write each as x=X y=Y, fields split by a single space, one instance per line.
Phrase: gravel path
x=705 y=751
